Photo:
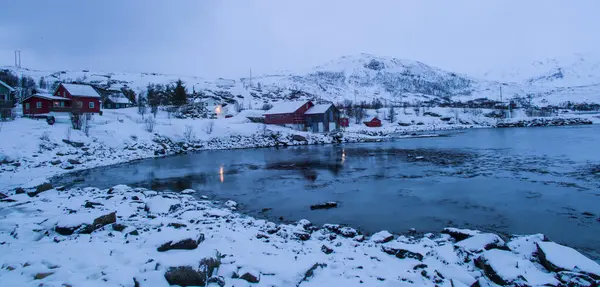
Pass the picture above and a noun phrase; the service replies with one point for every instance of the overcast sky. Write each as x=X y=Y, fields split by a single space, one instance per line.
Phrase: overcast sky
x=227 y=38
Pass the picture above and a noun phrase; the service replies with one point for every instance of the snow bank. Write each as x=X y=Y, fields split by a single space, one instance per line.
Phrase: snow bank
x=149 y=239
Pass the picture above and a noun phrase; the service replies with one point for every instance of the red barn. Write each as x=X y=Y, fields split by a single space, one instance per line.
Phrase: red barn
x=84 y=98
x=289 y=113
x=374 y=123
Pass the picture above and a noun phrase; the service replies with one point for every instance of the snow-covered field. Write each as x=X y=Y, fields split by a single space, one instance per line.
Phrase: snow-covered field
x=136 y=237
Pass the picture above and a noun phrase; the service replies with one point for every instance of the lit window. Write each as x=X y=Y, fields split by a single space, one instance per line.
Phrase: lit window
x=91 y=105
x=38 y=105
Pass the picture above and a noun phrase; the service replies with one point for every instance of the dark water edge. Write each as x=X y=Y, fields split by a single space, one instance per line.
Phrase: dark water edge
x=507 y=181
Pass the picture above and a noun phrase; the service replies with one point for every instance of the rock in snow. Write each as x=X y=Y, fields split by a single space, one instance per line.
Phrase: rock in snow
x=184 y=244
x=504 y=268
x=185 y=276
x=382 y=237
x=459 y=234
x=231 y=204
x=188 y=191
x=169 y=241
x=481 y=242
x=404 y=250
x=556 y=257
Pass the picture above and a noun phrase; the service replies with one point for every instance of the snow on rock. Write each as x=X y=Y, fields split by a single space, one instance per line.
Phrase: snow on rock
x=556 y=257
x=231 y=204
x=481 y=242
x=200 y=242
x=188 y=191
x=404 y=250
x=526 y=245
x=161 y=205
x=459 y=234
x=382 y=237
x=504 y=268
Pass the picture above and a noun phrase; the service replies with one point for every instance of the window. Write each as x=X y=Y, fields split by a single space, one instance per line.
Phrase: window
x=62 y=104
x=79 y=104
x=91 y=105
x=27 y=106
x=38 y=105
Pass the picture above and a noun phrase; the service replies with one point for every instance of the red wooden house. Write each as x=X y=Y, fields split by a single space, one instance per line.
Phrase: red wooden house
x=373 y=123
x=289 y=113
x=70 y=98
x=39 y=104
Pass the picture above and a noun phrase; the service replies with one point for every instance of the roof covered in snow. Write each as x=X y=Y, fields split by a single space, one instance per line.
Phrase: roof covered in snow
x=47 y=96
x=7 y=86
x=119 y=99
x=285 y=108
x=318 y=109
x=81 y=90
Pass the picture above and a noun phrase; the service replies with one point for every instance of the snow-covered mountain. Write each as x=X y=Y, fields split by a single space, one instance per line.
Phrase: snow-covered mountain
x=366 y=77
x=570 y=71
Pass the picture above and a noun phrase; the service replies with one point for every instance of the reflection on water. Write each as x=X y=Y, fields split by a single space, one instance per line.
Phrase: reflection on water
x=221 y=174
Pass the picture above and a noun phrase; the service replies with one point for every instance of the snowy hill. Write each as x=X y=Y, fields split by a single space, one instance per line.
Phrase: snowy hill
x=366 y=77
x=571 y=71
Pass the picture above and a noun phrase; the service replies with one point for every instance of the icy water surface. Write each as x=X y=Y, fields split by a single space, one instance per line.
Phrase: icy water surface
x=512 y=181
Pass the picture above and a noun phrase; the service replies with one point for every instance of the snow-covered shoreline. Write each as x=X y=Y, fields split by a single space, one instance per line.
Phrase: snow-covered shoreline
x=36 y=152
x=122 y=235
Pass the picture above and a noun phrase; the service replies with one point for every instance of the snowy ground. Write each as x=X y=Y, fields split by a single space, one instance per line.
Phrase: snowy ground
x=120 y=236
x=33 y=251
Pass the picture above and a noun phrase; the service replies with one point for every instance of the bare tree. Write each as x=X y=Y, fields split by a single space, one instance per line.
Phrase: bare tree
x=189 y=134
x=209 y=127
x=359 y=114
x=264 y=129
x=237 y=107
x=150 y=124
x=417 y=107
x=392 y=113
x=85 y=126
x=455 y=113
x=142 y=110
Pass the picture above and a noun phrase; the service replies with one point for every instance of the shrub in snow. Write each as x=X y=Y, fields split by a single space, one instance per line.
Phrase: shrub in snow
x=189 y=134
x=150 y=123
x=45 y=136
x=266 y=107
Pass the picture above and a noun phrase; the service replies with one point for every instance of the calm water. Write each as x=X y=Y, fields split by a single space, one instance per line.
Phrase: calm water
x=513 y=181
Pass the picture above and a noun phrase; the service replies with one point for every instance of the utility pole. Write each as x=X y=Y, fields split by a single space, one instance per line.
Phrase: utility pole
x=501 y=94
x=17 y=59
x=250 y=77
x=355 y=93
